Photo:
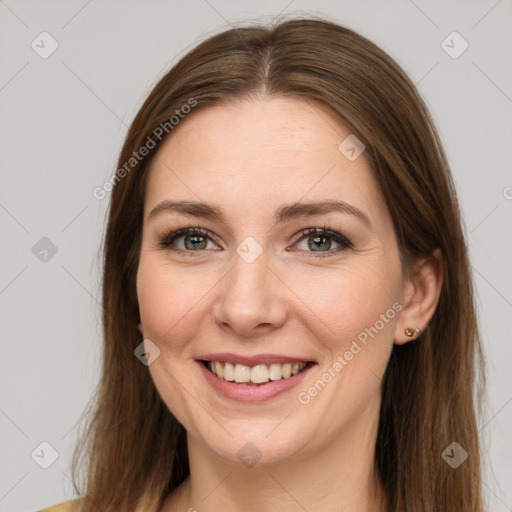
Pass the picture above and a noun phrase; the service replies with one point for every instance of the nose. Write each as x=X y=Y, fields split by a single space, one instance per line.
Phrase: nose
x=251 y=299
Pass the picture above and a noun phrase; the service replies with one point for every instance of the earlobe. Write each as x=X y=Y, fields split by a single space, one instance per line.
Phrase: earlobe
x=139 y=327
x=420 y=298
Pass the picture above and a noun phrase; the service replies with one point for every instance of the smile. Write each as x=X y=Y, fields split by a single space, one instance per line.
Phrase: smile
x=258 y=374
x=253 y=383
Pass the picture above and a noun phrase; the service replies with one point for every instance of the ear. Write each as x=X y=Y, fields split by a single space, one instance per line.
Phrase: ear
x=139 y=327
x=420 y=296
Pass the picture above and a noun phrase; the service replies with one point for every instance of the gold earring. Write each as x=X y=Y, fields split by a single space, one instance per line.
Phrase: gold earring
x=409 y=331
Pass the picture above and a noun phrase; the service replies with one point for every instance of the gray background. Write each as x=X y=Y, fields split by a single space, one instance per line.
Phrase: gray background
x=62 y=123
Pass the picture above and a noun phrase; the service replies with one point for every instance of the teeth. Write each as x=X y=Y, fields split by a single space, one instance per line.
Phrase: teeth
x=218 y=369
x=229 y=372
x=274 y=371
x=258 y=374
x=242 y=373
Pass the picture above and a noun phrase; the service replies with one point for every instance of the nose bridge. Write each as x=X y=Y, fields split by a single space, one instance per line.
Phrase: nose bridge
x=250 y=271
x=251 y=296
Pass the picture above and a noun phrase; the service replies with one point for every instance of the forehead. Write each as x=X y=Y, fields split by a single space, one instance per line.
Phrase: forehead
x=257 y=153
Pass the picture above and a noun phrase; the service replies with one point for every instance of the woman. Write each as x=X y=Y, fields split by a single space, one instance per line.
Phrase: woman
x=287 y=302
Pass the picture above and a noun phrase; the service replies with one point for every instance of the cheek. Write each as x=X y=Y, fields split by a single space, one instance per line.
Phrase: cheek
x=169 y=303
x=349 y=302
x=358 y=320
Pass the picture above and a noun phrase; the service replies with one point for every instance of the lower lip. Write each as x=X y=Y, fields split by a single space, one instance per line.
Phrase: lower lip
x=253 y=393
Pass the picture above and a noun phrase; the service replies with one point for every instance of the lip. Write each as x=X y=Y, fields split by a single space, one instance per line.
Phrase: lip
x=227 y=357
x=242 y=392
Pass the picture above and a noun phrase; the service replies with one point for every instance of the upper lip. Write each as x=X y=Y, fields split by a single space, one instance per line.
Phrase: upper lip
x=252 y=360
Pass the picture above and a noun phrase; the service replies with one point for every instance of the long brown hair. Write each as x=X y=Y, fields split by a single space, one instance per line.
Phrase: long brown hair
x=133 y=449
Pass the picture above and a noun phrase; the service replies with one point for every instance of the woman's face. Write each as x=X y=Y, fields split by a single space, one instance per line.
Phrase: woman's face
x=255 y=283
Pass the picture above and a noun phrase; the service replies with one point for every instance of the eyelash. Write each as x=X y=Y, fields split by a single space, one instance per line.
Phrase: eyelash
x=167 y=240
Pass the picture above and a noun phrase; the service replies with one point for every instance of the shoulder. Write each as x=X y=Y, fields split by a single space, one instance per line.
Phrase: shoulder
x=66 y=506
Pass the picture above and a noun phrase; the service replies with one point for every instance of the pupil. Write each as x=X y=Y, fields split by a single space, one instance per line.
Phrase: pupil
x=198 y=242
x=318 y=241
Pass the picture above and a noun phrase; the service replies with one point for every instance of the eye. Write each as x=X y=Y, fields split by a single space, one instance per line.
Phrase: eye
x=186 y=240
x=320 y=240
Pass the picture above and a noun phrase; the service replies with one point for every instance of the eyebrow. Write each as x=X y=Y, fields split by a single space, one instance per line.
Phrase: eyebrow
x=283 y=213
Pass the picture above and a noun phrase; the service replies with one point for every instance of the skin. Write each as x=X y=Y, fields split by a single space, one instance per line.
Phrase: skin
x=249 y=158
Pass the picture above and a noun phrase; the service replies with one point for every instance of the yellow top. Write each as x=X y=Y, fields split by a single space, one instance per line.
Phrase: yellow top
x=66 y=506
